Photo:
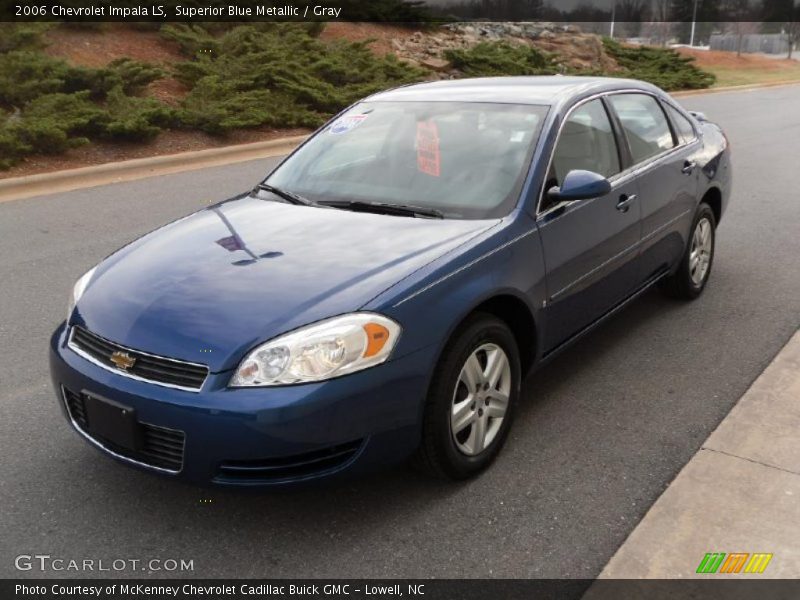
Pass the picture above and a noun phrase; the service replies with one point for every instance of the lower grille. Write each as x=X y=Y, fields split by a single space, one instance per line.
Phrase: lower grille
x=298 y=466
x=161 y=448
x=75 y=407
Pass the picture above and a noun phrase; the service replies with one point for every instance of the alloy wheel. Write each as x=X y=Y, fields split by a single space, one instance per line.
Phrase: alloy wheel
x=480 y=399
x=700 y=254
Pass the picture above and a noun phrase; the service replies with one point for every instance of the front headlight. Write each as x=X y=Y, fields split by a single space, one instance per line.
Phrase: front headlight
x=320 y=351
x=78 y=289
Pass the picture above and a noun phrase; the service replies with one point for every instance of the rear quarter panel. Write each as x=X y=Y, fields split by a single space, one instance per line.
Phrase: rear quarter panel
x=715 y=161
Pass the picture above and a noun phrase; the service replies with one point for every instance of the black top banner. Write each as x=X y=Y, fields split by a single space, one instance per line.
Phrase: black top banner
x=402 y=11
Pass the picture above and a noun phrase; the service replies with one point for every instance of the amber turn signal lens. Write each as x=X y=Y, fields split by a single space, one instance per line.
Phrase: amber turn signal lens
x=377 y=336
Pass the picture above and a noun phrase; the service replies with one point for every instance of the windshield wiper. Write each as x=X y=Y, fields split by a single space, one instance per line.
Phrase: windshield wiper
x=290 y=197
x=384 y=208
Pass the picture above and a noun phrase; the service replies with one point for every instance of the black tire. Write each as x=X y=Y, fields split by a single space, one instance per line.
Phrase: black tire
x=439 y=453
x=681 y=283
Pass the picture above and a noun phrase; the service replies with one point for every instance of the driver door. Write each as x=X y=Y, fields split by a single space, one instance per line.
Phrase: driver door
x=590 y=246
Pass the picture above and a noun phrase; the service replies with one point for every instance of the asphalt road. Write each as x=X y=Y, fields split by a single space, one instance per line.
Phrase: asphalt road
x=599 y=436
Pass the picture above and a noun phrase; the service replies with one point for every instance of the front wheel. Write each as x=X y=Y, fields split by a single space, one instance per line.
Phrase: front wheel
x=690 y=279
x=471 y=401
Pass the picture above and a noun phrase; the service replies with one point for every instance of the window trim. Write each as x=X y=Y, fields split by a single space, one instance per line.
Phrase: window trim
x=695 y=134
x=625 y=158
x=632 y=169
x=622 y=158
x=614 y=179
x=675 y=140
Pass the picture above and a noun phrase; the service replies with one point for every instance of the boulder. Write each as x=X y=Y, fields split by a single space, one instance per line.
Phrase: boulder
x=436 y=64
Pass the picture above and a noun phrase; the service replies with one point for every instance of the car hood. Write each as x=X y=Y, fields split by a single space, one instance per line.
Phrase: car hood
x=209 y=287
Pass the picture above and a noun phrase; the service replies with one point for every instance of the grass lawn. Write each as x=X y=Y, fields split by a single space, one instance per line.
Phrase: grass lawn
x=728 y=76
x=746 y=69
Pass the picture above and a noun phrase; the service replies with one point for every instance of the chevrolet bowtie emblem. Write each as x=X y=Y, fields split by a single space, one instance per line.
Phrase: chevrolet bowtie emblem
x=123 y=360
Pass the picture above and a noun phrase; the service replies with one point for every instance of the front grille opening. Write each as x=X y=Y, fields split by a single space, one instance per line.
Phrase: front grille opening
x=298 y=466
x=161 y=447
x=75 y=408
x=157 y=369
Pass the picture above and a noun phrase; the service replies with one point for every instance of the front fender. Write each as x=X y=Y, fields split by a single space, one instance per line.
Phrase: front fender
x=432 y=305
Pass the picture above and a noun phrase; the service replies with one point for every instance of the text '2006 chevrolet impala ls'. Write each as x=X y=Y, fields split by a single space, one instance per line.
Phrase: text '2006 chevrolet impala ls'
x=382 y=293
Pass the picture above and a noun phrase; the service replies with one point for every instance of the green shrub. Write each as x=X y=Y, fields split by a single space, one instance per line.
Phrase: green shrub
x=50 y=124
x=135 y=119
x=281 y=76
x=489 y=59
x=21 y=36
x=191 y=39
x=26 y=75
x=55 y=122
x=12 y=148
x=663 y=67
x=274 y=74
x=216 y=108
x=132 y=76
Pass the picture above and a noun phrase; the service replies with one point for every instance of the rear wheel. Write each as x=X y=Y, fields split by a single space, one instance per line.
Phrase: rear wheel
x=471 y=401
x=690 y=279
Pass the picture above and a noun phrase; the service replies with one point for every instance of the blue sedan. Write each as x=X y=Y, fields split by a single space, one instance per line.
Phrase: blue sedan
x=384 y=291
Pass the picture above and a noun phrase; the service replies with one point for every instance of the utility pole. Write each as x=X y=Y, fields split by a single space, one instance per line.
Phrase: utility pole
x=694 y=22
x=613 y=19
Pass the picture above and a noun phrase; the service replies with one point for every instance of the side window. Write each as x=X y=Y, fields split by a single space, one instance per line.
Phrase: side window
x=645 y=124
x=683 y=126
x=586 y=142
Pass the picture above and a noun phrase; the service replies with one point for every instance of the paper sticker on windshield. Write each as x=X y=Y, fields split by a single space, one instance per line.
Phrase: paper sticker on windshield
x=429 y=159
x=348 y=123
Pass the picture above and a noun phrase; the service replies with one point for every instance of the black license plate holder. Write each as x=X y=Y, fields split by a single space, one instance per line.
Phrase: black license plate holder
x=112 y=421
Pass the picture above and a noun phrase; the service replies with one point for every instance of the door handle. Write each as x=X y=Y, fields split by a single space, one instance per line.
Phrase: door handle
x=625 y=202
x=688 y=167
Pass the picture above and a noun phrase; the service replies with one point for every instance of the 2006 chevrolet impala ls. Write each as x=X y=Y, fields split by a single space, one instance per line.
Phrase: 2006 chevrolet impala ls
x=383 y=291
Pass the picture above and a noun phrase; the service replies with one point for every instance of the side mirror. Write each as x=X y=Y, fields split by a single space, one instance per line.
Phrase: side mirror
x=698 y=115
x=580 y=185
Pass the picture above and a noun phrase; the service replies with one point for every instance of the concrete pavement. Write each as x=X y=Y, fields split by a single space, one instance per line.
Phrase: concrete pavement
x=739 y=494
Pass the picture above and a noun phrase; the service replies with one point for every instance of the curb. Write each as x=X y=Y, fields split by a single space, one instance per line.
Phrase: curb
x=16 y=188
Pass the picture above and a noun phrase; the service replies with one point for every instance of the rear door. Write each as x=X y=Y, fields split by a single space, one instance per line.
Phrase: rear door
x=590 y=246
x=661 y=151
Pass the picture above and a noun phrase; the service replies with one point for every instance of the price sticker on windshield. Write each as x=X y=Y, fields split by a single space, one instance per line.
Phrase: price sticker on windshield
x=429 y=160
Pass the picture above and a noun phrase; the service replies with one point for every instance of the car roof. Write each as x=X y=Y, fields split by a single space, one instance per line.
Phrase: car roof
x=544 y=90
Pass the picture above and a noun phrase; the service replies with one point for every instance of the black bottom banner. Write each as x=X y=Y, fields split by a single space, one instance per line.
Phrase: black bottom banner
x=434 y=589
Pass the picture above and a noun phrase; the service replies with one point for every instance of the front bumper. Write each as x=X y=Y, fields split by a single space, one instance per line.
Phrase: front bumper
x=247 y=437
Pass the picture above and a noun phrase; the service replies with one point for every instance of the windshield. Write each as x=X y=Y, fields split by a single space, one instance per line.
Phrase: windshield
x=466 y=160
